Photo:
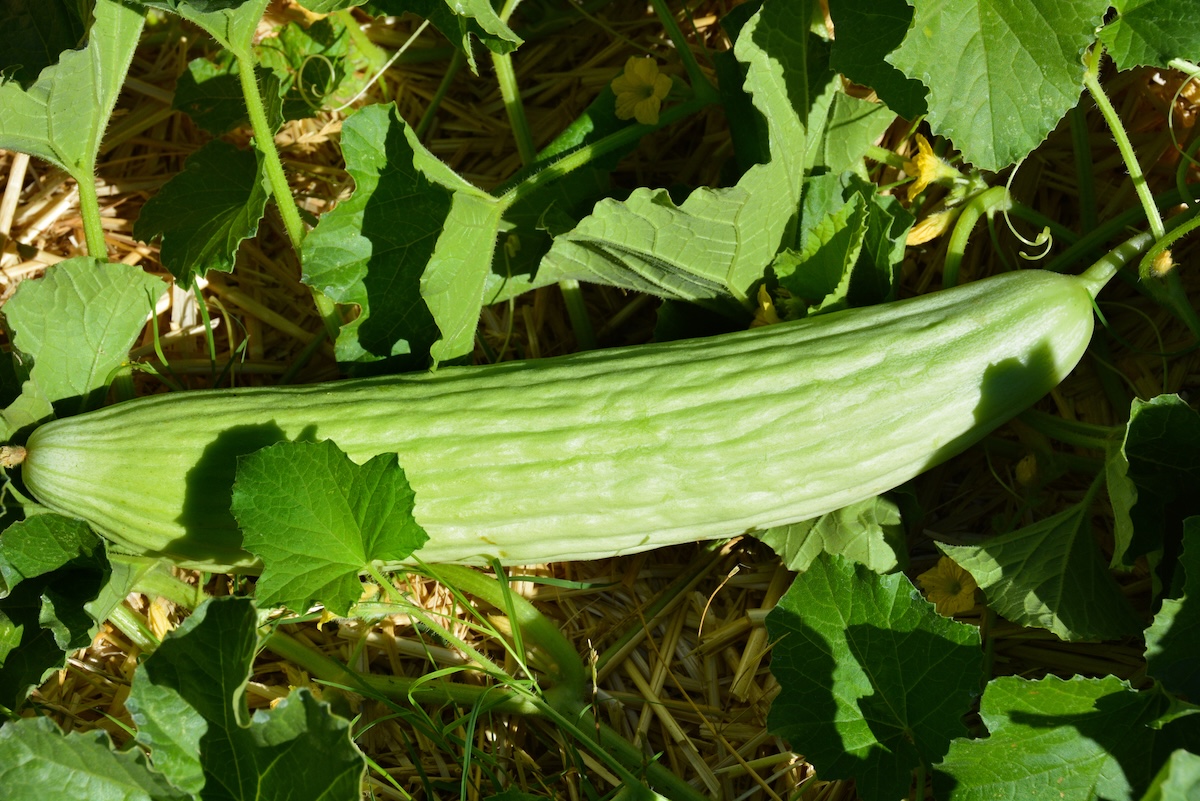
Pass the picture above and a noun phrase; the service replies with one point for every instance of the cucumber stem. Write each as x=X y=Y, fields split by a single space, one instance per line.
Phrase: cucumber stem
x=1095 y=277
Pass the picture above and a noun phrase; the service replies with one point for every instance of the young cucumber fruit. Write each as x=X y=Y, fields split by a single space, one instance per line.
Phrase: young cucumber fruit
x=605 y=452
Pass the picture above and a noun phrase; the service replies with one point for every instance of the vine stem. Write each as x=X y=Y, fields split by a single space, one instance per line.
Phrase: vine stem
x=89 y=212
x=1091 y=80
x=987 y=202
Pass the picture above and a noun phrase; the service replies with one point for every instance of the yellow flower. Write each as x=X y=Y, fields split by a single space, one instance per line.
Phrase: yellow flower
x=949 y=587
x=640 y=90
x=765 y=313
x=931 y=227
x=928 y=168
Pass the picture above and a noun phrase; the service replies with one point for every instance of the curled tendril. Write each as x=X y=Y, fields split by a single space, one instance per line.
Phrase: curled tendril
x=1044 y=240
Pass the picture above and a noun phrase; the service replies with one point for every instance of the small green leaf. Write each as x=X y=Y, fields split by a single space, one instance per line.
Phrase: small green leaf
x=205 y=212
x=1051 y=575
x=62 y=116
x=853 y=125
x=459 y=20
x=77 y=324
x=866 y=33
x=1173 y=640
x=1149 y=33
x=318 y=519
x=51 y=568
x=978 y=58
x=290 y=751
x=38 y=761
x=1056 y=738
x=869 y=532
x=874 y=682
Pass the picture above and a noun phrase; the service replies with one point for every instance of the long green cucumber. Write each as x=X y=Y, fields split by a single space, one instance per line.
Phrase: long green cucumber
x=605 y=452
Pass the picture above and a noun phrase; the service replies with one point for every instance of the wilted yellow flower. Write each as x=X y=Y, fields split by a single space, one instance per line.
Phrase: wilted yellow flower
x=765 y=313
x=931 y=227
x=640 y=90
x=928 y=169
x=950 y=588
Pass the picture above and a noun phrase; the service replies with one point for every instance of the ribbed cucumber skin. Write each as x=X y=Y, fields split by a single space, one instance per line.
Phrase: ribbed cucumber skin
x=599 y=453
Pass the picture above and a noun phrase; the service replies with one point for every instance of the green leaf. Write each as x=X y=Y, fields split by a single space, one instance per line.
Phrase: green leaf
x=873 y=681
x=864 y=34
x=718 y=242
x=210 y=93
x=37 y=761
x=978 y=57
x=1173 y=639
x=458 y=21
x=35 y=34
x=1056 y=738
x=231 y=22
x=394 y=239
x=62 y=116
x=287 y=752
x=77 y=324
x=317 y=519
x=869 y=532
x=1154 y=477
x=818 y=275
x=51 y=567
x=853 y=125
x=205 y=212
x=1149 y=33
x=1051 y=575
x=1178 y=780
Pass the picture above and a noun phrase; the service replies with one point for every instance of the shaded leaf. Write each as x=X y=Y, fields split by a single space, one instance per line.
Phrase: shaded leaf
x=317 y=519
x=205 y=212
x=1173 y=639
x=51 y=567
x=1178 y=780
x=1056 y=738
x=35 y=33
x=874 y=682
x=864 y=33
x=230 y=22
x=1051 y=575
x=715 y=245
x=285 y=752
x=976 y=58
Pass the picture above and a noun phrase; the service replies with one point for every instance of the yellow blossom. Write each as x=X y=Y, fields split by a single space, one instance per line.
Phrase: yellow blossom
x=765 y=313
x=640 y=90
x=928 y=168
x=949 y=587
x=931 y=227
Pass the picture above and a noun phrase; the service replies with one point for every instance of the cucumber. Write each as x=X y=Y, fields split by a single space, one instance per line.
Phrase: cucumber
x=600 y=453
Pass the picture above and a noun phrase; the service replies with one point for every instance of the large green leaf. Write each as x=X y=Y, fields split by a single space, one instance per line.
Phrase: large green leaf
x=1152 y=32
x=874 y=683
x=317 y=519
x=205 y=212
x=1064 y=739
x=396 y=237
x=1000 y=73
x=717 y=244
x=77 y=325
x=1051 y=575
x=864 y=33
x=298 y=749
x=35 y=33
x=62 y=116
x=37 y=761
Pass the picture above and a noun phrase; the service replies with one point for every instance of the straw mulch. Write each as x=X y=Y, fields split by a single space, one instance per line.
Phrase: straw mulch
x=692 y=685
